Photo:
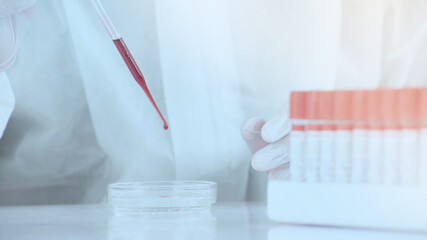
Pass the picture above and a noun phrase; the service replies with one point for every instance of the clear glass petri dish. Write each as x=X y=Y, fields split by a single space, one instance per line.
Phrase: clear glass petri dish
x=136 y=198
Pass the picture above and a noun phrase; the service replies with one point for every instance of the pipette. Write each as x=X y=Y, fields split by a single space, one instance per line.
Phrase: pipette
x=126 y=55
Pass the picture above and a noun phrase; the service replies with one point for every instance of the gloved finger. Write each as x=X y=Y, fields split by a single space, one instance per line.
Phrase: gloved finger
x=280 y=173
x=251 y=133
x=271 y=156
x=277 y=127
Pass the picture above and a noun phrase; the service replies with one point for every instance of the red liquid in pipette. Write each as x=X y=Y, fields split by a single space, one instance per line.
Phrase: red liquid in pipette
x=137 y=74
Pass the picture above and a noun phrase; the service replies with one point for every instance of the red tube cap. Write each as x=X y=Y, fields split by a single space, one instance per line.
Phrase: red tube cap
x=359 y=110
x=326 y=109
x=407 y=108
x=298 y=109
x=373 y=98
x=423 y=108
x=312 y=109
x=342 y=109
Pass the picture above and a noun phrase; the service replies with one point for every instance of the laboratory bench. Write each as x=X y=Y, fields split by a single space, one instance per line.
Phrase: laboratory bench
x=226 y=221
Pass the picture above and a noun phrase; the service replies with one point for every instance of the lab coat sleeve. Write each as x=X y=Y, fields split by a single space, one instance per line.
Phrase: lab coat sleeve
x=7 y=102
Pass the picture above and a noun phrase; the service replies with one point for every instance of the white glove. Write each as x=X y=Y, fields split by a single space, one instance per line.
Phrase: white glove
x=269 y=144
x=15 y=16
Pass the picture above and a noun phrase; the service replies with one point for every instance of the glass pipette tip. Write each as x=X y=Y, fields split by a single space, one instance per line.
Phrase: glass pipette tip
x=126 y=55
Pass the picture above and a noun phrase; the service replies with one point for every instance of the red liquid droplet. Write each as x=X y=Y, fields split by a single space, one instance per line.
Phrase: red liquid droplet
x=137 y=74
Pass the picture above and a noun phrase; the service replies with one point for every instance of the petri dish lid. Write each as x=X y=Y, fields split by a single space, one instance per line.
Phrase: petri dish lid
x=162 y=196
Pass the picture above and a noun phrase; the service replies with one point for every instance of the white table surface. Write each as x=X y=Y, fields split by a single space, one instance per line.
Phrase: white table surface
x=228 y=221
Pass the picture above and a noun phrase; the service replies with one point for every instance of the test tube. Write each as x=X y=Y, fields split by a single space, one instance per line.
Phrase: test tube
x=297 y=136
x=374 y=147
x=423 y=137
x=359 y=137
x=408 y=113
x=312 y=137
x=327 y=128
x=342 y=116
x=388 y=111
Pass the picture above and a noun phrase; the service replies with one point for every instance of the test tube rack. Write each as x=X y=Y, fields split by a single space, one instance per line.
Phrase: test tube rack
x=357 y=159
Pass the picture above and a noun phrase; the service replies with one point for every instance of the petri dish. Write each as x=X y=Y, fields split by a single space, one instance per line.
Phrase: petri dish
x=136 y=198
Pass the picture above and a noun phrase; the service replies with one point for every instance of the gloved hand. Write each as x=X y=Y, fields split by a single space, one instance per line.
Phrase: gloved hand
x=14 y=18
x=269 y=143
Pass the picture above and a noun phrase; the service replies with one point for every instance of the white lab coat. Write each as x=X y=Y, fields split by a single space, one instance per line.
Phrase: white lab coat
x=82 y=122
